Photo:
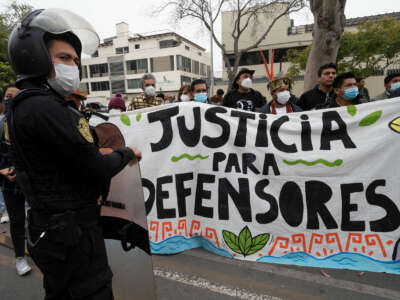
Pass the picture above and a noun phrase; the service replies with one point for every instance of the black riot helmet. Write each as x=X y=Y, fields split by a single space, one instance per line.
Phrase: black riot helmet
x=27 y=44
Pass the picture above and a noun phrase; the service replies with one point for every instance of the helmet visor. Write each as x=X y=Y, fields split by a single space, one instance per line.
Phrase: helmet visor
x=58 y=21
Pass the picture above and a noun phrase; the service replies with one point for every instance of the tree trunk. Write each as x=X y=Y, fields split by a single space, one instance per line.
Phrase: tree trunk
x=329 y=22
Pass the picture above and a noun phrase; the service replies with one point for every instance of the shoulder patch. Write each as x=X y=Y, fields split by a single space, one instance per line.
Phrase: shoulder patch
x=6 y=133
x=84 y=130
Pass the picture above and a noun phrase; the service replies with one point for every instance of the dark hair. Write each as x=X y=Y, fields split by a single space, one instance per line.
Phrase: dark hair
x=161 y=95
x=3 y=93
x=338 y=82
x=389 y=77
x=196 y=82
x=326 y=66
x=220 y=92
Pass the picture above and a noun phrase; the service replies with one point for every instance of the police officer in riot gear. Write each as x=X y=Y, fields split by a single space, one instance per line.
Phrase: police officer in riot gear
x=58 y=165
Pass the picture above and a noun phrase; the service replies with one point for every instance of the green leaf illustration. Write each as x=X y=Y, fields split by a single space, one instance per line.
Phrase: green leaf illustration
x=244 y=243
x=232 y=241
x=125 y=120
x=371 y=118
x=352 y=110
x=259 y=242
x=138 y=117
x=245 y=240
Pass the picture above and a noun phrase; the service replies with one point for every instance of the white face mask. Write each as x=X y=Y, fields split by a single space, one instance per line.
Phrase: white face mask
x=150 y=91
x=247 y=83
x=283 y=97
x=185 y=98
x=67 y=79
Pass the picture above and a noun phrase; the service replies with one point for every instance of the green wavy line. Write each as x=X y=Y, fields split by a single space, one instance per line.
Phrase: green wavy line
x=189 y=157
x=336 y=163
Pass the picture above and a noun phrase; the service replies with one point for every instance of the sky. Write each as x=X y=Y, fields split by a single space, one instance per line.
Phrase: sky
x=104 y=14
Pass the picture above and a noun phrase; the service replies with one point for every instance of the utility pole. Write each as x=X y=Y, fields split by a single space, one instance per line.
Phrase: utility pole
x=211 y=49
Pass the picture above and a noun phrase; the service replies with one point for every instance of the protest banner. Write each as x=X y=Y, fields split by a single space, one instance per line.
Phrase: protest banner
x=319 y=188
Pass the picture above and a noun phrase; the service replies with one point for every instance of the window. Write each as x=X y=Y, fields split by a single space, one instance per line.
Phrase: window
x=168 y=44
x=84 y=71
x=162 y=64
x=100 y=86
x=250 y=58
x=122 y=50
x=187 y=48
x=185 y=80
x=280 y=54
x=118 y=86
x=183 y=63
x=117 y=68
x=196 y=67
x=99 y=70
x=137 y=66
x=96 y=54
x=203 y=70
x=134 y=84
x=137 y=46
x=200 y=54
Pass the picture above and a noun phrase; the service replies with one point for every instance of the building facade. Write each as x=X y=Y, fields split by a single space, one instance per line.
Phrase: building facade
x=122 y=60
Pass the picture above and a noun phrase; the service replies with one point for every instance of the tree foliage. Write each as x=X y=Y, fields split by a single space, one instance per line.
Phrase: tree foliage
x=246 y=13
x=9 y=17
x=374 y=47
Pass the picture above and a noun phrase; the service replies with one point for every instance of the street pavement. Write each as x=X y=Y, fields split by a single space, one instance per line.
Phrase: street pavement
x=197 y=274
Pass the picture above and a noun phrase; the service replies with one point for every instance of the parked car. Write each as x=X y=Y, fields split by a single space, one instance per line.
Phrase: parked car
x=97 y=106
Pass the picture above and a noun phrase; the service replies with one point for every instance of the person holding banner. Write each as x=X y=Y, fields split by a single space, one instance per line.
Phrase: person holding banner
x=320 y=94
x=185 y=94
x=242 y=95
x=283 y=101
x=346 y=92
x=392 y=84
x=58 y=166
x=199 y=90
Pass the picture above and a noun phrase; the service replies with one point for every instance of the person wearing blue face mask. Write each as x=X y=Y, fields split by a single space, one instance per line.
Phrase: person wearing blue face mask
x=345 y=92
x=199 y=90
x=392 y=85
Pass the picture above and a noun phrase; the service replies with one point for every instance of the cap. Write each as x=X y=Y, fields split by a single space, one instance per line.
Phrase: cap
x=242 y=71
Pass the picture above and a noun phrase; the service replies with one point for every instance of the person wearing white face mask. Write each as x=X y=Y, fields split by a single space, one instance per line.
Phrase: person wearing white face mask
x=58 y=165
x=185 y=94
x=283 y=101
x=242 y=95
x=148 y=98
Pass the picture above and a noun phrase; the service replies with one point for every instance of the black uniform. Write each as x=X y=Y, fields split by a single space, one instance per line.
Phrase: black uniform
x=62 y=174
x=246 y=101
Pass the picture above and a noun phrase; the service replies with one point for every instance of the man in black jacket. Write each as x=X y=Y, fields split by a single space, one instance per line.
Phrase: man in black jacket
x=242 y=95
x=346 y=92
x=283 y=101
x=58 y=165
x=322 y=91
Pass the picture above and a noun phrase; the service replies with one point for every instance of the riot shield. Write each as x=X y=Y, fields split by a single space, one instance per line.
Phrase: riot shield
x=124 y=223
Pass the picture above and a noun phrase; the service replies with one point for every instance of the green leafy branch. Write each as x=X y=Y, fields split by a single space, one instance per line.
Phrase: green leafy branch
x=245 y=244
